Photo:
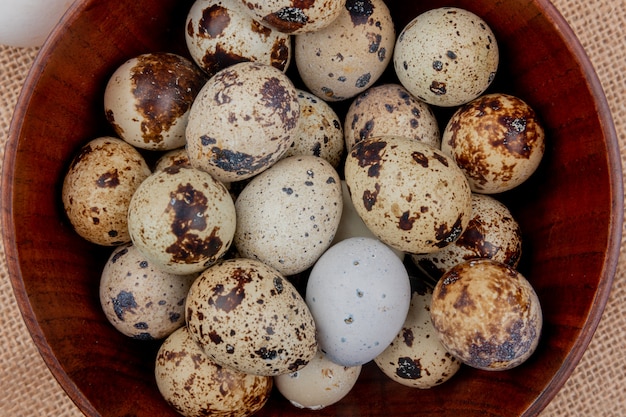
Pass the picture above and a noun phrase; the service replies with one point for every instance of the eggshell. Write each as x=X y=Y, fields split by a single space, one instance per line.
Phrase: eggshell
x=140 y=300
x=497 y=140
x=28 y=23
x=173 y=158
x=182 y=219
x=98 y=187
x=487 y=315
x=348 y=56
x=242 y=121
x=147 y=99
x=246 y=315
x=410 y=195
x=194 y=385
x=287 y=216
x=446 y=56
x=359 y=294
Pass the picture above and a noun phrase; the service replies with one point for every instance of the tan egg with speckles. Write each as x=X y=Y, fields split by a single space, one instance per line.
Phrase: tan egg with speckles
x=173 y=158
x=98 y=187
x=390 y=110
x=409 y=194
x=196 y=386
x=219 y=34
x=243 y=120
x=487 y=315
x=247 y=316
x=182 y=219
x=147 y=99
x=497 y=140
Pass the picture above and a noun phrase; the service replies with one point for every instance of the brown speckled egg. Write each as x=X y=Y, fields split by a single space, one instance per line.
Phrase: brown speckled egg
x=219 y=34
x=140 y=300
x=242 y=121
x=98 y=187
x=487 y=315
x=409 y=194
x=293 y=16
x=446 y=56
x=173 y=158
x=246 y=315
x=348 y=56
x=390 y=110
x=416 y=358
x=182 y=219
x=288 y=215
x=196 y=386
x=497 y=140
x=492 y=233
x=147 y=99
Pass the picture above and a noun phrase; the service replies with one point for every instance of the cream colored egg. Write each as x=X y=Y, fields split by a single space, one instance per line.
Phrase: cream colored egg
x=446 y=56
x=98 y=187
x=173 y=158
x=288 y=215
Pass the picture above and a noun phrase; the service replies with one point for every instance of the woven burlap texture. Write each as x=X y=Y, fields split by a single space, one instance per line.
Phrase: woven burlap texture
x=27 y=388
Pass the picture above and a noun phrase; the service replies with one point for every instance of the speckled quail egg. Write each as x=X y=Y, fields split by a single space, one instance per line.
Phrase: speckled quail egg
x=173 y=158
x=319 y=384
x=287 y=216
x=196 y=386
x=140 y=300
x=409 y=194
x=293 y=16
x=416 y=358
x=497 y=140
x=147 y=99
x=182 y=219
x=348 y=56
x=98 y=187
x=487 y=314
x=246 y=315
x=219 y=34
x=319 y=133
x=242 y=121
x=446 y=56
x=390 y=110
x=491 y=233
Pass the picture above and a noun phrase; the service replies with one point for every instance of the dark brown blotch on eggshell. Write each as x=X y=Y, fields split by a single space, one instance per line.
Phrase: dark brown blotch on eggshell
x=275 y=96
x=288 y=19
x=213 y=22
x=369 y=153
x=360 y=11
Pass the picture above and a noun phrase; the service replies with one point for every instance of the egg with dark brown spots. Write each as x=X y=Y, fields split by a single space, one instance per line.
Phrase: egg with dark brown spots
x=147 y=99
x=249 y=317
x=497 y=140
x=173 y=158
x=409 y=194
x=220 y=34
x=446 y=56
x=487 y=314
x=243 y=120
x=348 y=56
x=98 y=187
x=182 y=219
x=195 y=386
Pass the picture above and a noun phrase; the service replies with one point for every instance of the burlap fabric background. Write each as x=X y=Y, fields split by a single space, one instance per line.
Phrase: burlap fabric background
x=27 y=388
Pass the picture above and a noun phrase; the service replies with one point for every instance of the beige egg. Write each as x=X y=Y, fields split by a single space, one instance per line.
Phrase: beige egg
x=147 y=99
x=288 y=215
x=446 y=56
x=492 y=233
x=140 y=300
x=487 y=314
x=173 y=158
x=246 y=315
x=219 y=34
x=348 y=56
x=195 y=386
x=292 y=16
x=497 y=140
x=416 y=358
x=242 y=121
x=182 y=219
x=390 y=110
x=409 y=194
x=98 y=187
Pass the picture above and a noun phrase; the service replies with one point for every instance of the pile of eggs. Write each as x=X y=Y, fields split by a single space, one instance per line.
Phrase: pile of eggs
x=258 y=186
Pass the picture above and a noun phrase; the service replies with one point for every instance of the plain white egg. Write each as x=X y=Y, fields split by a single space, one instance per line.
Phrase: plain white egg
x=27 y=23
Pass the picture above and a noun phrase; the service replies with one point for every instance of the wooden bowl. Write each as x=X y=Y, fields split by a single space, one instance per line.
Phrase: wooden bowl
x=570 y=212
